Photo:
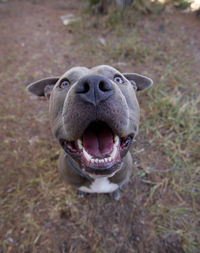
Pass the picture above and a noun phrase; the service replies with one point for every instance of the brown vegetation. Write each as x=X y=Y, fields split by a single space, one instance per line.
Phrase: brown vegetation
x=160 y=208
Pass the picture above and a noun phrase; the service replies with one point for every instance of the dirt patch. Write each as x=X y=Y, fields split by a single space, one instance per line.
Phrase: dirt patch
x=38 y=212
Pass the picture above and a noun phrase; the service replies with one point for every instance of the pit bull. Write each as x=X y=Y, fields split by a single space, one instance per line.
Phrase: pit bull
x=94 y=115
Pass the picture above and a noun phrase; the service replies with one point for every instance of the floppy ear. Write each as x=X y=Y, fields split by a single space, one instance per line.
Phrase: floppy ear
x=140 y=82
x=43 y=87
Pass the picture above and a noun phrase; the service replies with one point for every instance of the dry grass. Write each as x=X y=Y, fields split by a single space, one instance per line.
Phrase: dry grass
x=160 y=208
x=170 y=120
x=174 y=127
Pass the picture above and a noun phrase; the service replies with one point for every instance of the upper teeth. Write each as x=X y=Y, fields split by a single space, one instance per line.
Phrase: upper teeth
x=80 y=144
x=91 y=159
x=87 y=156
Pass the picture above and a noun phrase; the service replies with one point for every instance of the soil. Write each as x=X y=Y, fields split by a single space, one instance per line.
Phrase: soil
x=39 y=213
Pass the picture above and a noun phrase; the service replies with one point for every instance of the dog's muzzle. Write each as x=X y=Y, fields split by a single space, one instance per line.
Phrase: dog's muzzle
x=99 y=149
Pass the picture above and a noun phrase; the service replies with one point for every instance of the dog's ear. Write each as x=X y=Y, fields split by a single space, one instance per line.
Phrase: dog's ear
x=139 y=82
x=43 y=87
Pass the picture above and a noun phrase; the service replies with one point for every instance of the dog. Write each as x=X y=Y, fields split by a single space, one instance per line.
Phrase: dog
x=94 y=115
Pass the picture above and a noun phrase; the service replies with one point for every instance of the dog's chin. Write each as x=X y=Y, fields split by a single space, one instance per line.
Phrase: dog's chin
x=99 y=151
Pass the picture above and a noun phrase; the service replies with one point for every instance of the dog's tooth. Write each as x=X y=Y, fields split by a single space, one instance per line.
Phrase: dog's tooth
x=116 y=139
x=115 y=151
x=96 y=160
x=92 y=160
x=112 y=155
x=109 y=159
x=106 y=160
x=87 y=156
x=80 y=146
x=102 y=160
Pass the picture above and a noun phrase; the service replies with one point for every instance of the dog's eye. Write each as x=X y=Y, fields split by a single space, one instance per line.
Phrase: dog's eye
x=118 y=79
x=64 y=83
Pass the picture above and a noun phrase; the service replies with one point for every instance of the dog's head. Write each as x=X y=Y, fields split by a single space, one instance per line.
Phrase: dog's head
x=94 y=114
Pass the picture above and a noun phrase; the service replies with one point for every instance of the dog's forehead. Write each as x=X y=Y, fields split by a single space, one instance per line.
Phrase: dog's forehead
x=104 y=70
x=76 y=73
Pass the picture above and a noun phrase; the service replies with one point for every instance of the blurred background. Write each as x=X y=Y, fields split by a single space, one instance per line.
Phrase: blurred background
x=159 y=209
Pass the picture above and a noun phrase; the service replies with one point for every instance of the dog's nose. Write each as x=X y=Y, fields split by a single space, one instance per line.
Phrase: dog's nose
x=94 y=89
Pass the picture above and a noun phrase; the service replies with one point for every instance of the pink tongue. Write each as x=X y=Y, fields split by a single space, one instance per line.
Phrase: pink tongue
x=98 y=139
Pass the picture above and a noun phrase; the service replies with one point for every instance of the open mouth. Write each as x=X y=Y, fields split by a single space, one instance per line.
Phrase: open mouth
x=99 y=148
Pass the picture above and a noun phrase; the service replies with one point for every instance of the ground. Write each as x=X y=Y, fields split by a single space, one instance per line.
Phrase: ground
x=159 y=208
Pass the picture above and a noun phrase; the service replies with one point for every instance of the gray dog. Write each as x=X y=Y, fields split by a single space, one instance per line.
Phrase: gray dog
x=94 y=114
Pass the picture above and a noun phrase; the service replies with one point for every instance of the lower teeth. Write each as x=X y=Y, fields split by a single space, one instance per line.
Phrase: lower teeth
x=105 y=160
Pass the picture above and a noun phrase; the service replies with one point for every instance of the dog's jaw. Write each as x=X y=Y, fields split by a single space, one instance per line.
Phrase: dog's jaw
x=99 y=151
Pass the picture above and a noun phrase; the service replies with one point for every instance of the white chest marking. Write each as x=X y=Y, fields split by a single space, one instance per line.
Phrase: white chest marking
x=100 y=185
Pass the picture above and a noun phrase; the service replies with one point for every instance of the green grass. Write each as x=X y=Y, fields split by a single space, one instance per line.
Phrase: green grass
x=128 y=47
x=172 y=120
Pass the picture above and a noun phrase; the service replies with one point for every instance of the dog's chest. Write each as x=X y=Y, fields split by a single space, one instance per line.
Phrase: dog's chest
x=100 y=185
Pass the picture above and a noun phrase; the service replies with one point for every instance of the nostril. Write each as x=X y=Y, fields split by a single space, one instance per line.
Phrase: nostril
x=86 y=87
x=103 y=86
x=83 y=88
